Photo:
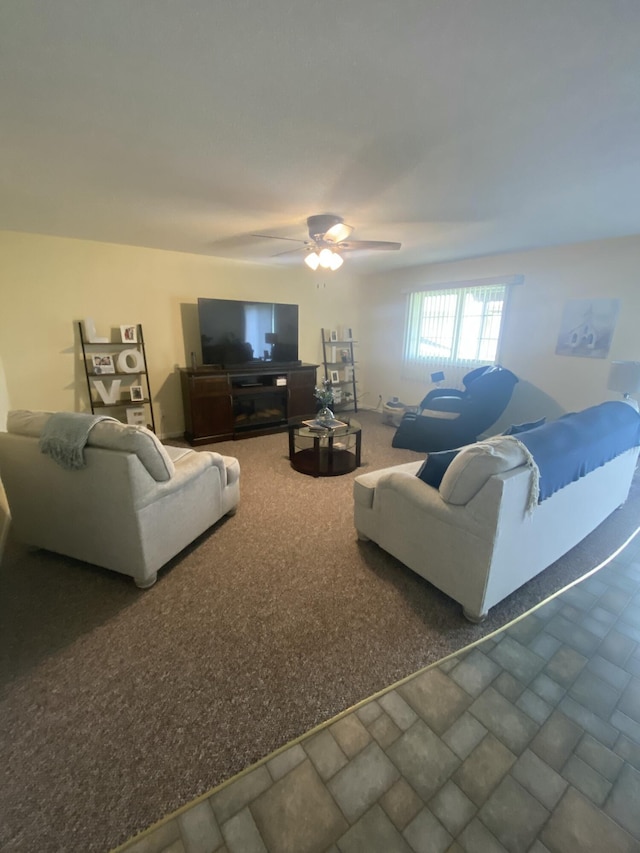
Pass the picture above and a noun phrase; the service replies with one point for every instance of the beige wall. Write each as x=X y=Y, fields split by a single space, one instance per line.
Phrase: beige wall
x=48 y=284
x=607 y=268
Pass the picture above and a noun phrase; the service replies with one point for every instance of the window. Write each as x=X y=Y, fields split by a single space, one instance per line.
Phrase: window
x=454 y=326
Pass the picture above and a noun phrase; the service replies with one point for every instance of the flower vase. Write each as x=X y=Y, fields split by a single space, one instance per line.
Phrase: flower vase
x=325 y=415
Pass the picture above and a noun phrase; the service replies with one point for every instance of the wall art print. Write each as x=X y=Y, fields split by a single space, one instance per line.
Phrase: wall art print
x=587 y=327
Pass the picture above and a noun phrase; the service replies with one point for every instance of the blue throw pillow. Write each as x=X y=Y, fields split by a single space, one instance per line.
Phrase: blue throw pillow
x=434 y=466
x=514 y=429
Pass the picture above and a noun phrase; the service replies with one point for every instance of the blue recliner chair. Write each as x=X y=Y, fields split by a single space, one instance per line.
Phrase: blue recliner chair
x=448 y=418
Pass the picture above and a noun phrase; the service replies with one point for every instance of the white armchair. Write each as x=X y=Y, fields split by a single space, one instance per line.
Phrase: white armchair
x=134 y=506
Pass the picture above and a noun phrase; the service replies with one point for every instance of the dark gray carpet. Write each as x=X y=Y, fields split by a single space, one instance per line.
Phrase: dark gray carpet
x=118 y=706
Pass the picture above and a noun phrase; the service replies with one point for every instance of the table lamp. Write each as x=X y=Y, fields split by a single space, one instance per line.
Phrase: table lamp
x=624 y=376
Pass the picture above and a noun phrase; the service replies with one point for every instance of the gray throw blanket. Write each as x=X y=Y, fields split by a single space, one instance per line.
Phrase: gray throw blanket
x=65 y=435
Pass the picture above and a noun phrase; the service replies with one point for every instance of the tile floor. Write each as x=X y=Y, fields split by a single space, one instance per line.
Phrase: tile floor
x=528 y=741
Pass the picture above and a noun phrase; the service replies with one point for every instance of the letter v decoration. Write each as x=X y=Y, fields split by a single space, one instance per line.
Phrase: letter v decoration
x=108 y=395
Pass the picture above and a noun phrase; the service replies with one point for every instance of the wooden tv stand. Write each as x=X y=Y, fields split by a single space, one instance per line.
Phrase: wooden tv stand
x=245 y=401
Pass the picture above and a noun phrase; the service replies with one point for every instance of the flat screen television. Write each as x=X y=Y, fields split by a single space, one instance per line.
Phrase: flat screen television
x=235 y=333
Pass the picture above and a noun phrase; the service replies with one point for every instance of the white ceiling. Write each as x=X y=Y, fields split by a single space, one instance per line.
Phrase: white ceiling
x=457 y=127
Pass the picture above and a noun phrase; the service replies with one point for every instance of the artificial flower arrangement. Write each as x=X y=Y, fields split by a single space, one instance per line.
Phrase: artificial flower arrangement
x=324 y=393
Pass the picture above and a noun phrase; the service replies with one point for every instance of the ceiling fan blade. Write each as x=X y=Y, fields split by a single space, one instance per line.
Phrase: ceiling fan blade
x=289 y=251
x=368 y=244
x=273 y=237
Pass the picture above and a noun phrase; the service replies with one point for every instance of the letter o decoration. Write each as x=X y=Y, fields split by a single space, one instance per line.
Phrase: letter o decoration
x=130 y=361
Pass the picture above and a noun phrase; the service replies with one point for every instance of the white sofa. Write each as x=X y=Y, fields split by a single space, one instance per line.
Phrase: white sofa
x=134 y=506
x=481 y=534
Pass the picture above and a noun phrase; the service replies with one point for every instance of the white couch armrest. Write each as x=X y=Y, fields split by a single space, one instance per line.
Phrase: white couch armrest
x=420 y=494
x=230 y=468
x=364 y=485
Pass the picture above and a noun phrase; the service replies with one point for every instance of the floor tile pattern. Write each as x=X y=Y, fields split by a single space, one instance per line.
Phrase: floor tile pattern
x=526 y=743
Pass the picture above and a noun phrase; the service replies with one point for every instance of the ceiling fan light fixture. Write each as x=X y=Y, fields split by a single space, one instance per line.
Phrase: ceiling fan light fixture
x=312 y=260
x=325 y=257
x=336 y=261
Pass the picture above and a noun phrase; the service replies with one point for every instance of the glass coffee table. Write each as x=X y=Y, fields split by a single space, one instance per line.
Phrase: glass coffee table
x=325 y=452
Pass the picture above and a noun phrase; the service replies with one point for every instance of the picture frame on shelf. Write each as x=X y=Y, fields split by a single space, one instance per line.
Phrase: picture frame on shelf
x=136 y=393
x=334 y=377
x=129 y=334
x=333 y=335
x=102 y=362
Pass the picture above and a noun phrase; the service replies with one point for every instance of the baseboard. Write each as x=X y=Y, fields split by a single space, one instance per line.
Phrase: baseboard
x=165 y=435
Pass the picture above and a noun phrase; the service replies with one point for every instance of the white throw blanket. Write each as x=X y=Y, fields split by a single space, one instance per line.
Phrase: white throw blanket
x=64 y=436
x=534 y=483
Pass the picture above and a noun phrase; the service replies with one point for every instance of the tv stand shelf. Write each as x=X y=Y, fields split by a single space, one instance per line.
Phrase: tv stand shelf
x=244 y=401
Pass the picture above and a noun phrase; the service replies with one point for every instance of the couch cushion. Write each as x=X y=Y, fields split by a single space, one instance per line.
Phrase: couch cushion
x=435 y=465
x=134 y=439
x=177 y=453
x=474 y=464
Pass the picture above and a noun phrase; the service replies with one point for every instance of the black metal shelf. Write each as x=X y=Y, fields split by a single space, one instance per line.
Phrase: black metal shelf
x=329 y=365
x=129 y=404
x=106 y=346
x=117 y=373
x=110 y=344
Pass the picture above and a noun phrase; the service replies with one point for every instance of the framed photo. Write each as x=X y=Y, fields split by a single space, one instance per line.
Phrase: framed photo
x=129 y=334
x=348 y=333
x=102 y=362
x=333 y=335
x=334 y=376
x=587 y=327
x=136 y=393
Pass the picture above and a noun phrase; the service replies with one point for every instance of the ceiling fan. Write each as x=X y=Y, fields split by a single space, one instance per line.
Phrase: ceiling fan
x=328 y=239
